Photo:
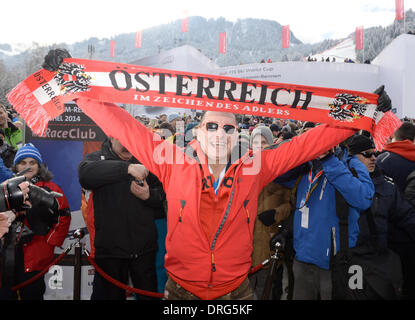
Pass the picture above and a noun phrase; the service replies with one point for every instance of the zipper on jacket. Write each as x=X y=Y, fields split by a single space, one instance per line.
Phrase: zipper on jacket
x=180 y=215
x=333 y=233
x=225 y=217
x=213 y=263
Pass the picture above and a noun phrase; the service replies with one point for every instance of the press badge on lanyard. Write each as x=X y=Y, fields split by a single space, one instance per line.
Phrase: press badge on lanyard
x=304 y=214
x=305 y=211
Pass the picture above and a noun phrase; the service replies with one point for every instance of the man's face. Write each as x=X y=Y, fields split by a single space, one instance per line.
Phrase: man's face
x=3 y=117
x=218 y=135
x=119 y=150
x=259 y=143
x=368 y=158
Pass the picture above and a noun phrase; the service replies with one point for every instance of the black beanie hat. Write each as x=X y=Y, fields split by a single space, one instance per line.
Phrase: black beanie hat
x=360 y=143
x=308 y=124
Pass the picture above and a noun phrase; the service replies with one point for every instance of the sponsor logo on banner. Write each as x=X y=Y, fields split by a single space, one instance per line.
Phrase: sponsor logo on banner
x=73 y=125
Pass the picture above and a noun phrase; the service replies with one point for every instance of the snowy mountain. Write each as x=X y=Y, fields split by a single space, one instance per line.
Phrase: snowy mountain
x=248 y=41
x=12 y=49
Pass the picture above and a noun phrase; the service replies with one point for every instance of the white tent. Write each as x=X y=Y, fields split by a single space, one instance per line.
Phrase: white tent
x=394 y=67
x=397 y=71
x=184 y=58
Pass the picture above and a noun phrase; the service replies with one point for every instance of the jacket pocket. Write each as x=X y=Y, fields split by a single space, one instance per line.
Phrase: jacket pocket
x=179 y=218
x=248 y=220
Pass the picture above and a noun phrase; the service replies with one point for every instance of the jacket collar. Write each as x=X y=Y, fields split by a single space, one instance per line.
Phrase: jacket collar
x=405 y=149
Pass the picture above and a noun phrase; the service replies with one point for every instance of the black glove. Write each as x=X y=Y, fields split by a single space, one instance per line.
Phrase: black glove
x=39 y=196
x=384 y=102
x=267 y=217
x=327 y=156
x=54 y=59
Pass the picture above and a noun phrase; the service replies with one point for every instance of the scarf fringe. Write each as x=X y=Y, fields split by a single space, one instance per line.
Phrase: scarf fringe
x=26 y=104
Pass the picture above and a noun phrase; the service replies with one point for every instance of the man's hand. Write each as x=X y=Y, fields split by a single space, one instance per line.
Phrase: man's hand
x=141 y=192
x=54 y=59
x=24 y=187
x=384 y=101
x=4 y=223
x=138 y=171
x=326 y=155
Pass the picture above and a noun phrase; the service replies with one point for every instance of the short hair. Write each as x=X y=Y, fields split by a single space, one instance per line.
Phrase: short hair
x=167 y=126
x=204 y=113
x=405 y=132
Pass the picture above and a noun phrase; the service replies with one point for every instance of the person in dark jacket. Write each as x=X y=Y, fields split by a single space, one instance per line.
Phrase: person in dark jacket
x=397 y=159
x=410 y=188
x=393 y=215
x=120 y=219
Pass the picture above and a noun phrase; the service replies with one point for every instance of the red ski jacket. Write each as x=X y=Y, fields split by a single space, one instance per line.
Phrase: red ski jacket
x=191 y=257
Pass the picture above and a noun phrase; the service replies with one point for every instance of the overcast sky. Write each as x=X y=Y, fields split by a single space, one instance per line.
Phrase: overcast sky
x=51 y=21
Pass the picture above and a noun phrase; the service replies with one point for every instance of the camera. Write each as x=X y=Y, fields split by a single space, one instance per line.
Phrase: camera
x=12 y=198
x=278 y=241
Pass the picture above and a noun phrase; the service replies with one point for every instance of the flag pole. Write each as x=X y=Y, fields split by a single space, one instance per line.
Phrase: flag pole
x=363 y=43
x=404 y=26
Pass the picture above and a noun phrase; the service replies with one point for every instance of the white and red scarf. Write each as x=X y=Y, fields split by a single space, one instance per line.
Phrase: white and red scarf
x=41 y=97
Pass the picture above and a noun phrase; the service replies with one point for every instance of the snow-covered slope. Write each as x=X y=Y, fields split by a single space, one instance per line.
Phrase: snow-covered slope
x=344 y=50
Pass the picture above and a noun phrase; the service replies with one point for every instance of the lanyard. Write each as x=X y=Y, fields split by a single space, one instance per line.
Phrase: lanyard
x=313 y=182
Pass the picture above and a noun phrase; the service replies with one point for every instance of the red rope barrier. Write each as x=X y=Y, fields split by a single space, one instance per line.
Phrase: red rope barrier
x=255 y=269
x=107 y=277
x=27 y=282
x=122 y=285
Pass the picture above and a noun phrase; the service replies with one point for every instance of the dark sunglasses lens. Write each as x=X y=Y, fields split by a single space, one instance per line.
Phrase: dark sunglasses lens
x=211 y=126
x=229 y=129
x=368 y=154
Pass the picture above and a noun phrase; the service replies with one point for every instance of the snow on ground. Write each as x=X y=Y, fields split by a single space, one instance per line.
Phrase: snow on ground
x=344 y=50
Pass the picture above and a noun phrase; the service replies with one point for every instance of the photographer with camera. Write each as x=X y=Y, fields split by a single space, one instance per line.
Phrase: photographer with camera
x=7 y=216
x=37 y=229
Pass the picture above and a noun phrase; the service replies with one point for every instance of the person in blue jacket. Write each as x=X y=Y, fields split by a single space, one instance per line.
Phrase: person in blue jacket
x=5 y=172
x=315 y=221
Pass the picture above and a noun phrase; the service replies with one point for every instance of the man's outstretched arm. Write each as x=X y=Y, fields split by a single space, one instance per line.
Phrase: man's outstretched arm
x=303 y=148
x=138 y=140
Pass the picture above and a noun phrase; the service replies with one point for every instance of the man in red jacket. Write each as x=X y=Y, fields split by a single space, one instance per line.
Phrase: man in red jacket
x=212 y=195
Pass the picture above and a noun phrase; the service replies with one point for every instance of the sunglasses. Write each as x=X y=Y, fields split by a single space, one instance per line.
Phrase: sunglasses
x=213 y=127
x=368 y=154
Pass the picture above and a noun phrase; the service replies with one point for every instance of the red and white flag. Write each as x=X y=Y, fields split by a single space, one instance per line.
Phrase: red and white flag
x=112 y=48
x=138 y=39
x=399 y=10
x=185 y=24
x=359 y=38
x=222 y=42
x=41 y=97
x=286 y=36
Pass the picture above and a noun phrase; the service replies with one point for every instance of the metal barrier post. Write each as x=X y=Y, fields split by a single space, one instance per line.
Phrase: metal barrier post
x=78 y=235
